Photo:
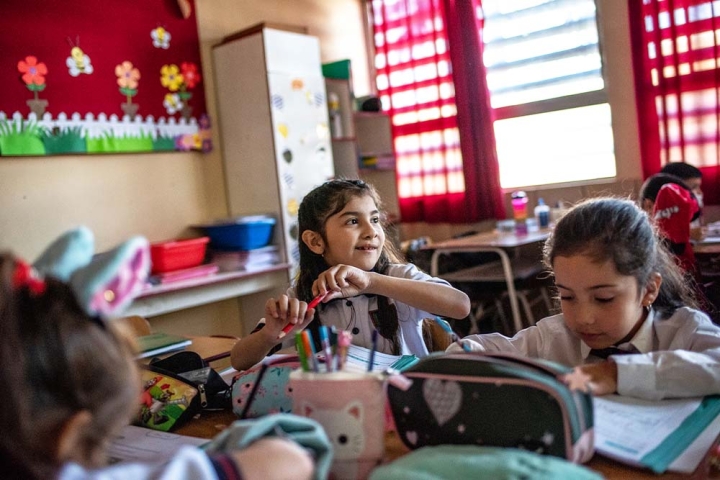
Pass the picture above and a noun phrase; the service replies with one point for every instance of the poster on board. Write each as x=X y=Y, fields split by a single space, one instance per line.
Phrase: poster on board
x=92 y=77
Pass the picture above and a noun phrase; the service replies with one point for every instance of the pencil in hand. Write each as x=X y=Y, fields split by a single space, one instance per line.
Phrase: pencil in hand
x=313 y=303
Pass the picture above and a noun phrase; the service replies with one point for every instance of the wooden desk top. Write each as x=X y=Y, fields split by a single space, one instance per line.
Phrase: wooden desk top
x=492 y=239
x=210 y=424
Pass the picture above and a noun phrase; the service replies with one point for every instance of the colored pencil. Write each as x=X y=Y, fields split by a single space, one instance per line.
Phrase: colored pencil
x=313 y=303
x=372 y=350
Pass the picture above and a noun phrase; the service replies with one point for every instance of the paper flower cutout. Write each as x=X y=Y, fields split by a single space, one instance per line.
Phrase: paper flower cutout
x=128 y=77
x=161 y=38
x=180 y=80
x=190 y=75
x=33 y=73
x=170 y=77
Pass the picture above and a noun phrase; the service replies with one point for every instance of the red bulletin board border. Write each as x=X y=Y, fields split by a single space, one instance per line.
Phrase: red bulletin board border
x=88 y=107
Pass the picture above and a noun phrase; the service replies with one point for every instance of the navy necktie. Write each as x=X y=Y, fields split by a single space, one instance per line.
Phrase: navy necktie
x=606 y=352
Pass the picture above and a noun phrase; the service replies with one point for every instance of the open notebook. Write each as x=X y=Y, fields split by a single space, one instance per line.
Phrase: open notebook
x=660 y=435
x=358 y=359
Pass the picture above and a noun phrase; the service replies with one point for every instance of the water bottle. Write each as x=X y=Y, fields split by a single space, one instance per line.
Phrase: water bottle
x=542 y=213
x=519 y=202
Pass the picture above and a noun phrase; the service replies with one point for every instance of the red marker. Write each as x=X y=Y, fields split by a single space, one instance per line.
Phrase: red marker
x=313 y=303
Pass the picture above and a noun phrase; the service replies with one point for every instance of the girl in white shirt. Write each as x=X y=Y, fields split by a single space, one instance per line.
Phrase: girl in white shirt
x=344 y=256
x=619 y=290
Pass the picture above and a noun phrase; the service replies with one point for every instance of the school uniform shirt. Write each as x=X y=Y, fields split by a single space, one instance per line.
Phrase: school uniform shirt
x=189 y=463
x=673 y=211
x=677 y=356
x=358 y=314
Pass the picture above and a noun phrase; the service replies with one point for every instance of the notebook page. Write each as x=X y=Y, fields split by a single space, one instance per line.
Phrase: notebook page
x=628 y=428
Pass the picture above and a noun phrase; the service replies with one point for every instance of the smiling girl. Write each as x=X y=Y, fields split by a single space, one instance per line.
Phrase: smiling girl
x=346 y=259
x=629 y=321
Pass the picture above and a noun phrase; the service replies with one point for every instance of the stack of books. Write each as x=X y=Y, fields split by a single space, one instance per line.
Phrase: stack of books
x=231 y=261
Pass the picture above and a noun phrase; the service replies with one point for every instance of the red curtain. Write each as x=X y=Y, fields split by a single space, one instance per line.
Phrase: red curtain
x=432 y=83
x=483 y=194
x=677 y=80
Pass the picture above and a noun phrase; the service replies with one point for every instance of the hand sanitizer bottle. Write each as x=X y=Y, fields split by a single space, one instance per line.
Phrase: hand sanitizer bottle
x=542 y=213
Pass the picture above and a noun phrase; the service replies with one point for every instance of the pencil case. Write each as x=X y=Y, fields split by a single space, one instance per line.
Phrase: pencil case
x=264 y=388
x=488 y=399
x=175 y=388
x=190 y=366
x=166 y=400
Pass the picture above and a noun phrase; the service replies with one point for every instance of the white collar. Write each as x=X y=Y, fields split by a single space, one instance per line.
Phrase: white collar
x=642 y=341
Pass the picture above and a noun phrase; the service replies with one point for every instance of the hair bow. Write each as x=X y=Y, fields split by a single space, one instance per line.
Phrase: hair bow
x=104 y=284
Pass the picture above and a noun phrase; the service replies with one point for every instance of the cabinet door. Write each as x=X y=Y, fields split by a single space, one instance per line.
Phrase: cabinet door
x=302 y=144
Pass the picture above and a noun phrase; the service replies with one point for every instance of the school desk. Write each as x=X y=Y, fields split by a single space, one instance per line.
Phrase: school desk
x=210 y=424
x=505 y=245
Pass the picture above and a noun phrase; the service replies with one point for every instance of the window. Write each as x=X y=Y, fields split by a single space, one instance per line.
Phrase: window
x=546 y=87
x=415 y=86
x=681 y=50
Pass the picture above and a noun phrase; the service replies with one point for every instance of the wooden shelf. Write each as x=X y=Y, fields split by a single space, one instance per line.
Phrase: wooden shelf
x=161 y=299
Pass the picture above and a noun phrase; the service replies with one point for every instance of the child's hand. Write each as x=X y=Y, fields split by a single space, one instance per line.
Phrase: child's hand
x=601 y=377
x=285 y=310
x=341 y=281
x=273 y=457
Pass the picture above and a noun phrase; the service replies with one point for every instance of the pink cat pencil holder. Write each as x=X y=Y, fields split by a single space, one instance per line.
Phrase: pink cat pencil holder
x=351 y=408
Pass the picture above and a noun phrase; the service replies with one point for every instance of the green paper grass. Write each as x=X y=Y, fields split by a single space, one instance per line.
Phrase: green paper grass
x=164 y=144
x=16 y=139
x=109 y=143
x=69 y=140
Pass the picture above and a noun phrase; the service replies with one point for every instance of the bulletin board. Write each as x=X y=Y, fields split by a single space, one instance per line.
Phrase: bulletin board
x=110 y=76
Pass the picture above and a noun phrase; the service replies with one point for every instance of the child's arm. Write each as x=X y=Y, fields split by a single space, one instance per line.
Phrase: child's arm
x=278 y=313
x=346 y=281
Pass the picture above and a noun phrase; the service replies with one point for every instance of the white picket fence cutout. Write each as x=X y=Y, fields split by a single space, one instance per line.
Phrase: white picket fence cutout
x=92 y=127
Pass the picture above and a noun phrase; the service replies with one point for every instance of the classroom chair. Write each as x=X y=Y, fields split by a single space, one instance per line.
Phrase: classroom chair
x=486 y=286
x=136 y=324
x=436 y=338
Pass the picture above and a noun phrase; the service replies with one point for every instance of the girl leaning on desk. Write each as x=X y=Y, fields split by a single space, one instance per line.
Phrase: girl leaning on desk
x=629 y=322
x=70 y=383
x=346 y=260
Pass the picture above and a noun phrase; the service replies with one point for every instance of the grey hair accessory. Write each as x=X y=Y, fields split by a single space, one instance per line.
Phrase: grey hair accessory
x=104 y=284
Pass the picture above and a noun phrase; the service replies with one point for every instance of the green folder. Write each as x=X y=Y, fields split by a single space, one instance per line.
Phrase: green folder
x=159 y=343
x=664 y=454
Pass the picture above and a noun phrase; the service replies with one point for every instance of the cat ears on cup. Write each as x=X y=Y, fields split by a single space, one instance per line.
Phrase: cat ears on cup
x=104 y=284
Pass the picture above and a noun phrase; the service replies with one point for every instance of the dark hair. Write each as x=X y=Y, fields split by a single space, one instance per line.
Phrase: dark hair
x=652 y=185
x=55 y=361
x=682 y=170
x=315 y=209
x=618 y=230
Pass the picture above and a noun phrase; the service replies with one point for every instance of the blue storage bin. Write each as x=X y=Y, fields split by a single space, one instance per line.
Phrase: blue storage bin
x=242 y=233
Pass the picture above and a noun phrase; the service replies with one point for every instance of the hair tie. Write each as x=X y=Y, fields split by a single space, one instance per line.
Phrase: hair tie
x=25 y=276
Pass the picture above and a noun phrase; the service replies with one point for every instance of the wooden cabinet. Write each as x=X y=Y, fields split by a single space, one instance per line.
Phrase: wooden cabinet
x=273 y=119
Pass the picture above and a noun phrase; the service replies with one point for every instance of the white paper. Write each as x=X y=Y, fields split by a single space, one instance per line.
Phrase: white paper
x=358 y=359
x=143 y=445
x=628 y=428
x=228 y=374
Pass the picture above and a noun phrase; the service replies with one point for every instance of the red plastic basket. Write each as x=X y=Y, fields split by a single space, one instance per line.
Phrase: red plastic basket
x=177 y=254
